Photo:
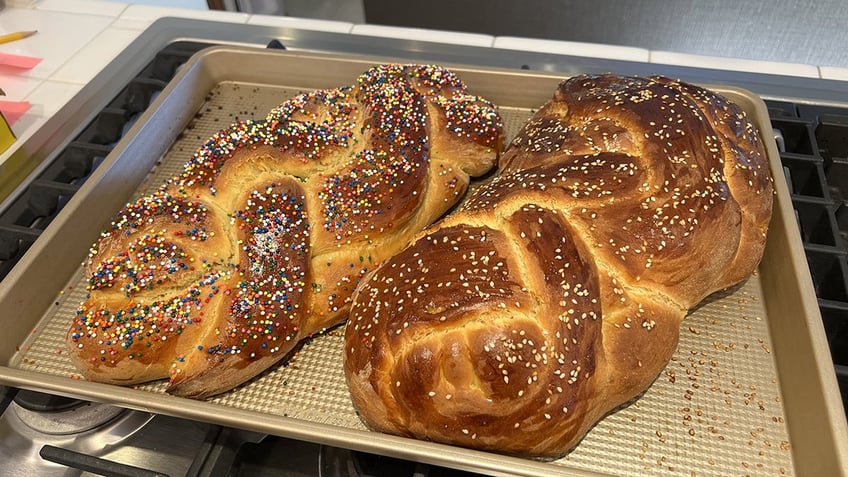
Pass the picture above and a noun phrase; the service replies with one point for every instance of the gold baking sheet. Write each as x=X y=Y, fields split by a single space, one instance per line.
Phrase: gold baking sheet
x=725 y=405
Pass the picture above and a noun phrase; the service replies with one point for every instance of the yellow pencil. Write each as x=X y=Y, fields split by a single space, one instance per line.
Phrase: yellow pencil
x=16 y=36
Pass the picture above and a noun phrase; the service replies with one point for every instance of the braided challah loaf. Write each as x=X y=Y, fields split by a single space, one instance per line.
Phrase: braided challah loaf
x=555 y=292
x=262 y=238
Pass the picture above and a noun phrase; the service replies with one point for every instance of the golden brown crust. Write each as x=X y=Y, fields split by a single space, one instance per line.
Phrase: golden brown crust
x=262 y=238
x=555 y=293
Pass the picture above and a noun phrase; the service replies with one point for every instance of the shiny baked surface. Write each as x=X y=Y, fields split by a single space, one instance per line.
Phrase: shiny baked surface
x=556 y=292
x=261 y=239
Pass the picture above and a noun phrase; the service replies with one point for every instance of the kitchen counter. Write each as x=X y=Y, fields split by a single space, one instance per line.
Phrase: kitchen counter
x=77 y=38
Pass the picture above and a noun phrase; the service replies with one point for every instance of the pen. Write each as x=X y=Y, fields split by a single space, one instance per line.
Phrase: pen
x=16 y=36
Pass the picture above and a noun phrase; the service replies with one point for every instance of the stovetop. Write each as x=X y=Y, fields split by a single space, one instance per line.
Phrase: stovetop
x=812 y=135
x=48 y=435
x=45 y=435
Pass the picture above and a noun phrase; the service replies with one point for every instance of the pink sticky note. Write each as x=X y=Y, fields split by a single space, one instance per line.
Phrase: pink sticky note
x=13 y=110
x=18 y=61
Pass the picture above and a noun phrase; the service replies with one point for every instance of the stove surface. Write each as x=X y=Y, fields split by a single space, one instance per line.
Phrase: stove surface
x=162 y=444
x=139 y=444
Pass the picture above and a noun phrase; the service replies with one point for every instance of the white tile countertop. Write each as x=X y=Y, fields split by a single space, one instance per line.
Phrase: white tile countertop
x=76 y=39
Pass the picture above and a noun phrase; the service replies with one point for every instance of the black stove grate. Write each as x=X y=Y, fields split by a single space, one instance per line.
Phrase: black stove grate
x=814 y=153
x=813 y=141
x=28 y=214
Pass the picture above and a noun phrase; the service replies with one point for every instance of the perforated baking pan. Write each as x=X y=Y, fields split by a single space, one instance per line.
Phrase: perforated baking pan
x=750 y=391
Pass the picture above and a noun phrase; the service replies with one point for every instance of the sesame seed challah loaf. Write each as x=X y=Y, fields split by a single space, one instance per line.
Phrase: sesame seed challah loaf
x=262 y=238
x=555 y=293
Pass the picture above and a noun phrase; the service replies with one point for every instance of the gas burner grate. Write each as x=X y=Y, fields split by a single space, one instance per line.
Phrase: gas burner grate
x=28 y=214
x=813 y=143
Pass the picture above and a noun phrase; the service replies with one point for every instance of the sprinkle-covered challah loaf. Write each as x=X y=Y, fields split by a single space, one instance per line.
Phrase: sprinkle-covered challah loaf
x=262 y=238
